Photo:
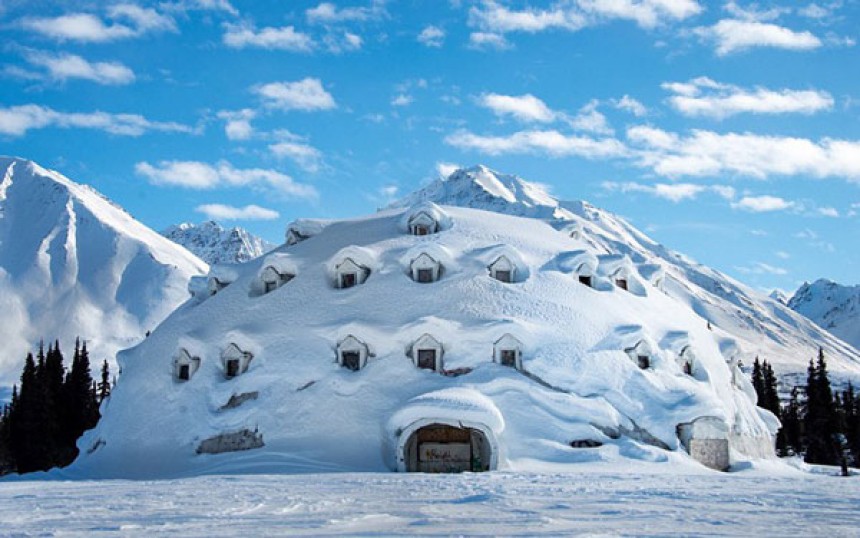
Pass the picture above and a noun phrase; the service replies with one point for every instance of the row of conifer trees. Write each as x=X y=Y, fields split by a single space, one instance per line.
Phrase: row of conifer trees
x=819 y=423
x=50 y=410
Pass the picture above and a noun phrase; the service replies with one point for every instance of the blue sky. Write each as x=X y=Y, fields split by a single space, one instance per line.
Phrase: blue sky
x=726 y=130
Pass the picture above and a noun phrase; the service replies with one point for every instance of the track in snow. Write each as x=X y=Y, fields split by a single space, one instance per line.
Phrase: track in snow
x=411 y=504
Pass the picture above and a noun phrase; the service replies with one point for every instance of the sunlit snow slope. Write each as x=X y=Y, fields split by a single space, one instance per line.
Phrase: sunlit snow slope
x=74 y=264
x=577 y=382
x=832 y=306
x=763 y=325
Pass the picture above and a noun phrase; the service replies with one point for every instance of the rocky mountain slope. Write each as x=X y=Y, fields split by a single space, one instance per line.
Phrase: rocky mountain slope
x=215 y=244
x=832 y=306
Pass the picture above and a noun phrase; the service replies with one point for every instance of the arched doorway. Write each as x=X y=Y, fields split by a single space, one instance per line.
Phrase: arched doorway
x=437 y=447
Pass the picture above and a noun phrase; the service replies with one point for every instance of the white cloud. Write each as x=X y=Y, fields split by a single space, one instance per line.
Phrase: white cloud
x=17 y=120
x=488 y=40
x=226 y=212
x=706 y=153
x=307 y=94
x=782 y=255
x=550 y=142
x=705 y=97
x=590 y=119
x=763 y=204
x=127 y=21
x=64 y=66
x=445 y=169
x=733 y=35
x=432 y=36
x=307 y=157
x=199 y=175
x=203 y=5
x=329 y=13
x=828 y=212
x=402 y=100
x=573 y=15
x=284 y=38
x=238 y=123
x=337 y=42
x=761 y=268
x=630 y=105
x=674 y=192
x=526 y=108
x=752 y=12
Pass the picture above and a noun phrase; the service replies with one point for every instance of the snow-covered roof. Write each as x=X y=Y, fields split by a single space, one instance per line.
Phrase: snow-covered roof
x=612 y=265
x=453 y=405
x=281 y=262
x=305 y=228
x=581 y=262
x=224 y=274
x=360 y=256
x=436 y=213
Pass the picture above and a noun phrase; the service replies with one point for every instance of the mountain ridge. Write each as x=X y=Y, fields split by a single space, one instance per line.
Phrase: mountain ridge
x=215 y=244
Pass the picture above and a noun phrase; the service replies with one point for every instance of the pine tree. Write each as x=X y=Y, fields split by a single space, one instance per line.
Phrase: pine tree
x=770 y=390
x=104 y=387
x=758 y=381
x=791 y=427
x=820 y=423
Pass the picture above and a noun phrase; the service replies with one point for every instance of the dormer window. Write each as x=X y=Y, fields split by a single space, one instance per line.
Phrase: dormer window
x=586 y=280
x=427 y=353
x=352 y=353
x=507 y=351
x=184 y=365
x=422 y=223
x=350 y=274
x=644 y=361
x=621 y=283
x=503 y=270
x=425 y=269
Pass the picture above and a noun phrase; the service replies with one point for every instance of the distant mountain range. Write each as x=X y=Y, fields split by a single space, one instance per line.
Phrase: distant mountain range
x=215 y=244
x=832 y=306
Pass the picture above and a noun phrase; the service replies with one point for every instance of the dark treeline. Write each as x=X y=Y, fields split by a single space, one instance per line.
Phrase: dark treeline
x=819 y=423
x=50 y=410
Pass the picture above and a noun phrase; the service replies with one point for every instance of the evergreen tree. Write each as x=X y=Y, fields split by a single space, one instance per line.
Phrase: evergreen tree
x=28 y=449
x=104 y=387
x=758 y=381
x=820 y=423
x=851 y=424
x=791 y=427
x=770 y=390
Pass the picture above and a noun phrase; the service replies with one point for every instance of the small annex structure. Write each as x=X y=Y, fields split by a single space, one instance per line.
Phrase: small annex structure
x=425 y=269
x=352 y=353
x=422 y=223
x=427 y=353
x=706 y=439
x=425 y=219
x=618 y=268
x=503 y=270
x=581 y=264
x=277 y=270
x=349 y=273
x=185 y=365
x=235 y=361
x=508 y=351
x=303 y=229
x=641 y=353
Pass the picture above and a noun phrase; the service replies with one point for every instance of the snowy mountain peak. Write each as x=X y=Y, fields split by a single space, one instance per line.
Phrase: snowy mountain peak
x=832 y=306
x=480 y=187
x=215 y=244
x=779 y=296
x=74 y=264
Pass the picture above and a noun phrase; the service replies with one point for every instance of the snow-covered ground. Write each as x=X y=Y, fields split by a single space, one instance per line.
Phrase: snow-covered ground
x=773 y=502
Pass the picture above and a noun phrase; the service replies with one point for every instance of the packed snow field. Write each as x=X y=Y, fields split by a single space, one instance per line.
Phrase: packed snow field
x=597 y=501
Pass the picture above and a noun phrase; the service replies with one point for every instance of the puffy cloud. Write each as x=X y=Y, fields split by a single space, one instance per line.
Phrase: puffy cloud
x=307 y=157
x=202 y=5
x=201 y=176
x=549 y=142
x=674 y=192
x=64 y=66
x=238 y=123
x=127 y=21
x=733 y=35
x=432 y=36
x=526 y=108
x=705 y=97
x=706 y=153
x=226 y=212
x=498 y=19
x=17 y=120
x=590 y=119
x=645 y=13
x=283 y=38
x=763 y=204
x=828 y=212
x=488 y=40
x=307 y=94
x=402 y=100
x=631 y=105
x=329 y=13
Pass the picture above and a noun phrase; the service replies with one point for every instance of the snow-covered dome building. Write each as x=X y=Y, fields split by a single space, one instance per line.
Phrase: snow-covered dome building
x=508 y=362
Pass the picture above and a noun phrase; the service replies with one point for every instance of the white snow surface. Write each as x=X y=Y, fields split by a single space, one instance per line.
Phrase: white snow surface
x=763 y=326
x=593 y=502
x=215 y=244
x=73 y=264
x=316 y=416
x=832 y=306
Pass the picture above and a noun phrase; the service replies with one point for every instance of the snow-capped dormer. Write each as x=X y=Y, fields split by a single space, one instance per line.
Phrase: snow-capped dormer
x=277 y=270
x=425 y=269
x=303 y=229
x=427 y=353
x=503 y=270
x=686 y=360
x=641 y=353
x=235 y=361
x=185 y=365
x=422 y=223
x=220 y=276
x=508 y=351
x=581 y=264
x=352 y=353
x=618 y=268
x=653 y=273
x=349 y=273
